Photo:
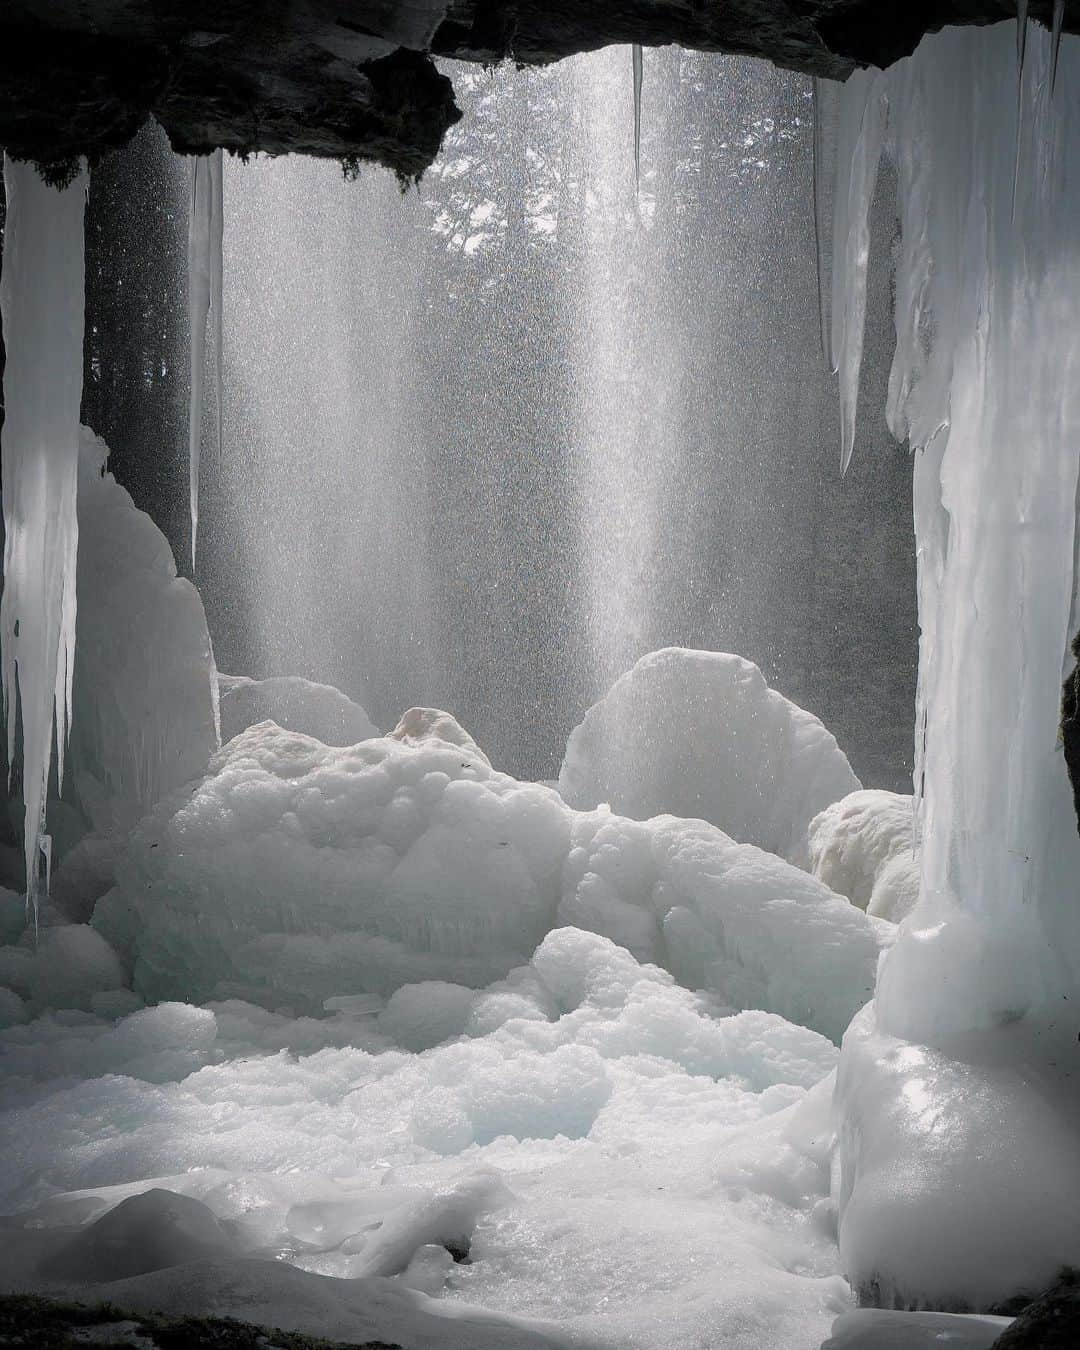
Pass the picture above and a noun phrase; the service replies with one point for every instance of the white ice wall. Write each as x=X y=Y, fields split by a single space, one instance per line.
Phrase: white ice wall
x=984 y=383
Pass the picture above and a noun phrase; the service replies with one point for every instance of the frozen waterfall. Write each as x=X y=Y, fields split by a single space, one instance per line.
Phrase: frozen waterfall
x=984 y=385
x=41 y=300
x=205 y=235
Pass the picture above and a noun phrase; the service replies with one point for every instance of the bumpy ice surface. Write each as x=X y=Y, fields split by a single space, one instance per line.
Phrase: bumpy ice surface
x=701 y=735
x=862 y=846
x=624 y=1164
x=297 y=873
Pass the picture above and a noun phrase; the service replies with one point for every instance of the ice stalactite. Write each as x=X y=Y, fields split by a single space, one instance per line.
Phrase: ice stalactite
x=824 y=113
x=638 y=64
x=1055 y=39
x=205 y=233
x=41 y=300
x=859 y=143
x=984 y=386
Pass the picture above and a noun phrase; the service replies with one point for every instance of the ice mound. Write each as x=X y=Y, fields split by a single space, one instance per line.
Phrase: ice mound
x=959 y=1183
x=722 y=916
x=297 y=873
x=67 y=966
x=882 y=1329
x=143 y=715
x=599 y=1141
x=146 y=1232
x=701 y=735
x=317 y=710
x=862 y=846
x=423 y=724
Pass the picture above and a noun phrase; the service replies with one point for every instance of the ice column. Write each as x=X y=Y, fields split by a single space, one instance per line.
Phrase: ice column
x=205 y=232
x=986 y=385
x=41 y=302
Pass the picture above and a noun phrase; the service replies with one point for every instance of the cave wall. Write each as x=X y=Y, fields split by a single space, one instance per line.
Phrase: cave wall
x=357 y=79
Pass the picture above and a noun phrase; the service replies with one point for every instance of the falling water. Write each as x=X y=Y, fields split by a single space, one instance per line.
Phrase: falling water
x=489 y=442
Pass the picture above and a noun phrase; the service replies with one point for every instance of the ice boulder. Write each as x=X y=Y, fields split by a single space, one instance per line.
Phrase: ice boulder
x=306 y=877
x=297 y=872
x=317 y=710
x=862 y=846
x=423 y=724
x=151 y=1231
x=701 y=735
x=958 y=1178
x=727 y=917
x=143 y=710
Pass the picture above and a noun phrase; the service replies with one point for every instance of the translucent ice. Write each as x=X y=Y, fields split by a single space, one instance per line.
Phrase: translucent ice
x=205 y=235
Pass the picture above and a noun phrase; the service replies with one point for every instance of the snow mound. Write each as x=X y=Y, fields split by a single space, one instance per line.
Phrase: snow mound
x=298 y=873
x=959 y=1179
x=863 y=847
x=421 y=724
x=701 y=735
x=295 y=704
x=143 y=713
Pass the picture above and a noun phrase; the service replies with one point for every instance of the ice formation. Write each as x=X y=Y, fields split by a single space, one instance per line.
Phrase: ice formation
x=959 y=1181
x=982 y=386
x=417 y=725
x=41 y=300
x=297 y=873
x=701 y=735
x=862 y=846
x=143 y=700
x=883 y=1329
x=317 y=710
x=599 y=1140
x=958 y=1082
x=205 y=235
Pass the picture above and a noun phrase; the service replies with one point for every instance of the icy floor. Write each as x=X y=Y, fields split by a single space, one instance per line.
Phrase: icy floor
x=618 y=1157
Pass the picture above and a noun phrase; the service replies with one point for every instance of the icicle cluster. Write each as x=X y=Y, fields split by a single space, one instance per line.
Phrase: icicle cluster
x=985 y=386
x=205 y=234
x=41 y=300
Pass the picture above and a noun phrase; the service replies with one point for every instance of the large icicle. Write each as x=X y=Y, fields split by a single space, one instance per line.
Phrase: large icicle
x=860 y=137
x=985 y=385
x=205 y=233
x=824 y=115
x=41 y=301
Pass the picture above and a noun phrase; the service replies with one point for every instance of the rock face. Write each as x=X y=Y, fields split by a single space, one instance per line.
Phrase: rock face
x=355 y=79
x=1052 y=1322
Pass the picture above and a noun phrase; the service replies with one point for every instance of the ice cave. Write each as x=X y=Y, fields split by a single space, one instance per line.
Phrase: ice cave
x=539 y=645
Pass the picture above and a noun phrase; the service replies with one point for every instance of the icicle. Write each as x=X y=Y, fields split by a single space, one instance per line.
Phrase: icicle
x=1055 y=42
x=41 y=300
x=636 y=56
x=1021 y=54
x=205 y=230
x=821 y=231
x=862 y=132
